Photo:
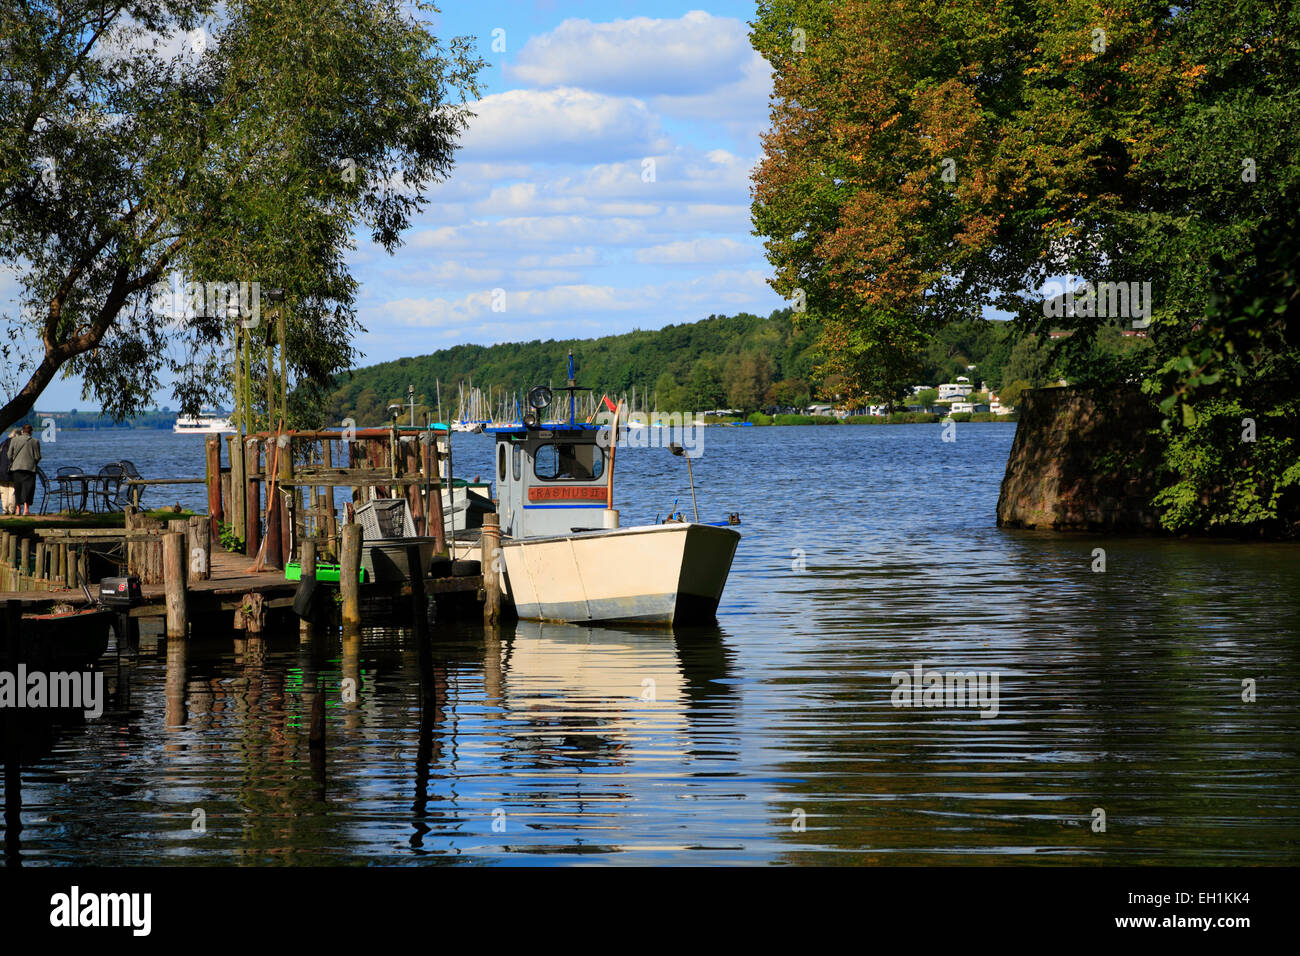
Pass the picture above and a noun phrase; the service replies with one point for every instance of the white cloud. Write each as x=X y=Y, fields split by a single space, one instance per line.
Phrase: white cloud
x=561 y=125
x=701 y=251
x=693 y=54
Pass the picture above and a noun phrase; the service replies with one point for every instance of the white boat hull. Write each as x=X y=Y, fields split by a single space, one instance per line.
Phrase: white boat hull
x=655 y=574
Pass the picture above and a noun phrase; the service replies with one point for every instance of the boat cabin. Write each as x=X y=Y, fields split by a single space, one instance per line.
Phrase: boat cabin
x=551 y=480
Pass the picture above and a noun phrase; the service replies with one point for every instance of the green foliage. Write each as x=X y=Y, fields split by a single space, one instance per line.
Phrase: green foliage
x=689 y=367
x=1225 y=483
x=230 y=538
x=805 y=420
x=252 y=160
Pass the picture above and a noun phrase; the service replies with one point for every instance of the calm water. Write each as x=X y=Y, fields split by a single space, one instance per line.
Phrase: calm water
x=769 y=739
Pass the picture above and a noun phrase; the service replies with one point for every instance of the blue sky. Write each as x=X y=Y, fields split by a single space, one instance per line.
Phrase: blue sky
x=552 y=210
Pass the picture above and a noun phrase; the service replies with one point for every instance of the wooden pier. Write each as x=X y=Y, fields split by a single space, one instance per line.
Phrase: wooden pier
x=279 y=490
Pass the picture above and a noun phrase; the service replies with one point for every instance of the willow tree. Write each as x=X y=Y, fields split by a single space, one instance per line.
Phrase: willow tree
x=161 y=159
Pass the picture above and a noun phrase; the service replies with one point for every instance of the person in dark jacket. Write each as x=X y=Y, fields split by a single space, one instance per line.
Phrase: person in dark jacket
x=6 y=482
x=24 y=457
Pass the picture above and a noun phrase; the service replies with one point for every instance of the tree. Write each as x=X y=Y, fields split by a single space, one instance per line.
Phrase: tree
x=1031 y=360
x=746 y=378
x=789 y=393
x=704 y=389
x=243 y=162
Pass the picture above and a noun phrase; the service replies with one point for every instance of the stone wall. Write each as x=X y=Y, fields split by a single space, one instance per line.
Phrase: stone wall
x=1082 y=460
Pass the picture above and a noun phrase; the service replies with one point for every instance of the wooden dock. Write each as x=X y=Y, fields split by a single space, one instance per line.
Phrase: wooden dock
x=230 y=582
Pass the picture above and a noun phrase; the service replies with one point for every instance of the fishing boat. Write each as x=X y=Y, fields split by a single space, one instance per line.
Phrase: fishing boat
x=565 y=556
x=61 y=640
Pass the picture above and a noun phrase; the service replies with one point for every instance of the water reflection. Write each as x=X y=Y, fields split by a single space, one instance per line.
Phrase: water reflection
x=538 y=743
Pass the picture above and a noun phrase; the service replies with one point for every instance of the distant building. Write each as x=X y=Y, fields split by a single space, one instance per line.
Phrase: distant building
x=958 y=389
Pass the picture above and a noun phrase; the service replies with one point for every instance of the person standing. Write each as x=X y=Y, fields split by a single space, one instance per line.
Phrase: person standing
x=24 y=457
x=6 y=481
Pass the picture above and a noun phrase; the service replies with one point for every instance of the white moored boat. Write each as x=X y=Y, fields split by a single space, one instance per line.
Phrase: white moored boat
x=654 y=574
x=202 y=426
x=564 y=554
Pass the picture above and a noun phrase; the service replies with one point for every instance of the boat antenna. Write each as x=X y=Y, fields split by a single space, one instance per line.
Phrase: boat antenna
x=680 y=452
x=571 y=386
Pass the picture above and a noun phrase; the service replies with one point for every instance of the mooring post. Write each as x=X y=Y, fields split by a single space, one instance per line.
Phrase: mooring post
x=490 y=561
x=252 y=498
x=24 y=563
x=308 y=570
x=215 y=511
x=349 y=575
x=174 y=582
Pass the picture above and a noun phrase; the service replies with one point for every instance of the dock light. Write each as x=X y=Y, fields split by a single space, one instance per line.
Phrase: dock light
x=680 y=452
x=539 y=396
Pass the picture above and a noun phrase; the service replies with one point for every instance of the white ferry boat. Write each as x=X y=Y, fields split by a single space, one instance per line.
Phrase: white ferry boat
x=202 y=426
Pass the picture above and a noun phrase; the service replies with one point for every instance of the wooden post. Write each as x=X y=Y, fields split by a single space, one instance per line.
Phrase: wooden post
x=24 y=563
x=238 y=485
x=414 y=493
x=38 y=572
x=174 y=583
x=252 y=498
x=199 y=541
x=215 y=512
x=308 y=570
x=349 y=571
x=285 y=474
x=489 y=559
x=333 y=531
x=274 y=506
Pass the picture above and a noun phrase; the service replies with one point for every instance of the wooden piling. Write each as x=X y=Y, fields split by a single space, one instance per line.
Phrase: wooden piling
x=349 y=575
x=24 y=563
x=252 y=498
x=199 y=543
x=238 y=485
x=174 y=583
x=284 y=477
x=490 y=559
x=308 y=570
x=215 y=511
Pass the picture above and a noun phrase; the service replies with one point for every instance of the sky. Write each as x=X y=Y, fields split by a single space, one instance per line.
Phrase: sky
x=603 y=185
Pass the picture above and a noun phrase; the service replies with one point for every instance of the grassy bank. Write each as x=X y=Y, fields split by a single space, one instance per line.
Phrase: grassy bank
x=897 y=418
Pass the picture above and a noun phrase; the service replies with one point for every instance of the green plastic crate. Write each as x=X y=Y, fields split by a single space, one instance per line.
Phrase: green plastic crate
x=328 y=573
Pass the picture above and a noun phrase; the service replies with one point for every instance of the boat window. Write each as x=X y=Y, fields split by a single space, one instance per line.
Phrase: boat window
x=501 y=462
x=569 y=461
x=518 y=468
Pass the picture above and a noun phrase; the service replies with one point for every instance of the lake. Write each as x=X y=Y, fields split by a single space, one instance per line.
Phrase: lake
x=869 y=552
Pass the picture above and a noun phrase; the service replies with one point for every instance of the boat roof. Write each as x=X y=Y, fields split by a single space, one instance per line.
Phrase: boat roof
x=574 y=429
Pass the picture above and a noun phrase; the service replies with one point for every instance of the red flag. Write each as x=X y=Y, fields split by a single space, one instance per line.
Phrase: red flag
x=609 y=404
